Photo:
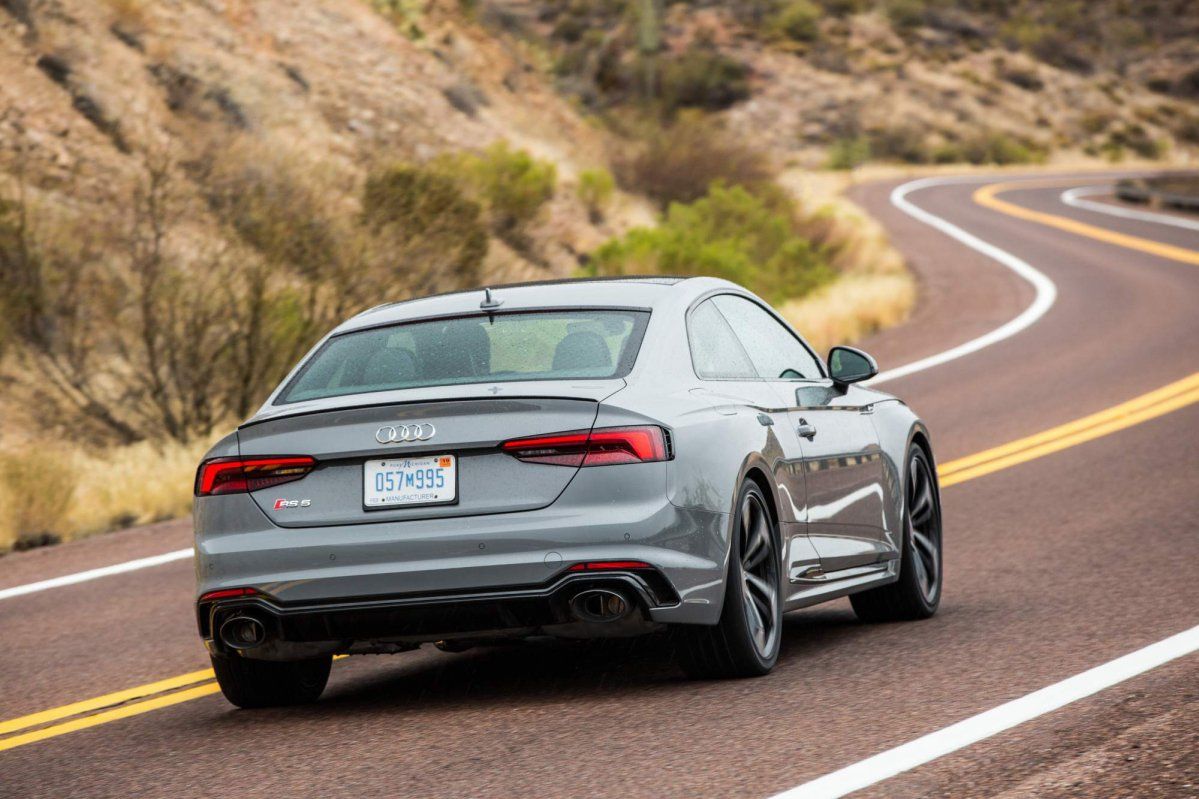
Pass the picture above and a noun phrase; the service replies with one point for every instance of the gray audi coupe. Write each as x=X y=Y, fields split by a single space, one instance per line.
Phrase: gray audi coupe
x=578 y=459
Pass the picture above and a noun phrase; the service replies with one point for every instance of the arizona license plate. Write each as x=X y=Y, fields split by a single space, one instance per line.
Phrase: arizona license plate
x=396 y=482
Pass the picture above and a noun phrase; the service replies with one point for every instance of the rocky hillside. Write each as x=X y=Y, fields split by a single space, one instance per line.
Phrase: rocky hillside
x=91 y=87
x=918 y=81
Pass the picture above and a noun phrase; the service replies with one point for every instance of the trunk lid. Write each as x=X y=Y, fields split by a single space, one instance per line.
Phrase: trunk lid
x=470 y=424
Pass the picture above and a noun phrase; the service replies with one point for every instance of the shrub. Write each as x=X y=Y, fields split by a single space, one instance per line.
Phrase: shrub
x=1000 y=148
x=679 y=163
x=841 y=8
x=900 y=143
x=595 y=192
x=1025 y=78
x=1093 y=122
x=703 y=78
x=427 y=225
x=510 y=184
x=1134 y=137
x=798 y=20
x=406 y=15
x=282 y=214
x=848 y=153
x=905 y=14
x=1188 y=129
x=730 y=233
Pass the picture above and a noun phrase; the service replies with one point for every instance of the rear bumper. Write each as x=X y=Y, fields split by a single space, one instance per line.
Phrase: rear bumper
x=375 y=574
x=338 y=626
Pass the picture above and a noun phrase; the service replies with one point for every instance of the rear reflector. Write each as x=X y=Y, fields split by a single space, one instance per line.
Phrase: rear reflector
x=227 y=593
x=609 y=565
x=603 y=447
x=237 y=475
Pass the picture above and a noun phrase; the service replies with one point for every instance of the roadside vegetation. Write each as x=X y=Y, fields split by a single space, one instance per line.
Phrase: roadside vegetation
x=136 y=337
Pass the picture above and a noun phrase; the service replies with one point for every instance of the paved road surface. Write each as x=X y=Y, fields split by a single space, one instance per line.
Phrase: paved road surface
x=1052 y=566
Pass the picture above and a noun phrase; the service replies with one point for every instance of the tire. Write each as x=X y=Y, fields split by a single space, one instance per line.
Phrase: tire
x=251 y=683
x=917 y=592
x=745 y=642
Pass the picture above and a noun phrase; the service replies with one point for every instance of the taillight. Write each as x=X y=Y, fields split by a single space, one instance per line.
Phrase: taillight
x=227 y=593
x=603 y=447
x=237 y=475
x=609 y=565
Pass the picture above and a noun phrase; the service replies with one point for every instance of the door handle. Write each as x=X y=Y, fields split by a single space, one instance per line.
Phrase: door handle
x=806 y=430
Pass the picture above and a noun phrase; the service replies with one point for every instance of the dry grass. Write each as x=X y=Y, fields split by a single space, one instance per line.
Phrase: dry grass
x=129 y=13
x=874 y=289
x=851 y=308
x=36 y=489
x=70 y=494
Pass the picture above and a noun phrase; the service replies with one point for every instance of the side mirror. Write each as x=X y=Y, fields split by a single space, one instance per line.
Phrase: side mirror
x=847 y=365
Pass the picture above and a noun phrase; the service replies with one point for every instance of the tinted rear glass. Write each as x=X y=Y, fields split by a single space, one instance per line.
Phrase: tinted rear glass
x=541 y=345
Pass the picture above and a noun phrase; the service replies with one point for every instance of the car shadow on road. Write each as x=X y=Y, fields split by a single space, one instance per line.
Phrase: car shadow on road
x=553 y=671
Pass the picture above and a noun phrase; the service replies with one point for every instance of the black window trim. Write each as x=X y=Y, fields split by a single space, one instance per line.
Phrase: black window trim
x=824 y=378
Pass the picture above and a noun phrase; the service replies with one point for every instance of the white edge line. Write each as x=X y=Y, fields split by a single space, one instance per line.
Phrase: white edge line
x=1072 y=197
x=92 y=574
x=984 y=725
x=1046 y=293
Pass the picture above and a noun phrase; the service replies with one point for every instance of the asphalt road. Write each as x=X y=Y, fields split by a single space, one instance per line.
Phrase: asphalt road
x=1053 y=566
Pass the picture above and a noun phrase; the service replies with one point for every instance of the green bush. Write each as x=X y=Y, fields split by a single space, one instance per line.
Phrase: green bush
x=849 y=152
x=798 y=20
x=730 y=233
x=595 y=191
x=703 y=78
x=1000 y=148
x=511 y=185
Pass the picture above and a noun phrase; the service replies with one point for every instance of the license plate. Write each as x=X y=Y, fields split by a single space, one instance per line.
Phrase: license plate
x=398 y=482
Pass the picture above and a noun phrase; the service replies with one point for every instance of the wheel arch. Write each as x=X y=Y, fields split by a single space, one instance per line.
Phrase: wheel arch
x=919 y=436
x=756 y=468
x=898 y=429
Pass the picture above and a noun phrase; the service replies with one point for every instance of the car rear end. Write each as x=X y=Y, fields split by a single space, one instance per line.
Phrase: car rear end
x=452 y=478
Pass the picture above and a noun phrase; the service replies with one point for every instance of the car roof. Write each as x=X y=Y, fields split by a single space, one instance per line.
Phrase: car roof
x=592 y=292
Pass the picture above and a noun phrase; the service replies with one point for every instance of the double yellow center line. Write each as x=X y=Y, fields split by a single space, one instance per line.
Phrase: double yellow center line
x=986 y=197
x=186 y=687
x=103 y=709
x=1126 y=414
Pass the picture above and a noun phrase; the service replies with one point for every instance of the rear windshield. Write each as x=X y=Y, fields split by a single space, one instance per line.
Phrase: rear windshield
x=539 y=345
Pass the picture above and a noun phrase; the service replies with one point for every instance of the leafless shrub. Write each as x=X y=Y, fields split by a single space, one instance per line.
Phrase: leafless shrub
x=136 y=334
x=678 y=163
x=146 y=324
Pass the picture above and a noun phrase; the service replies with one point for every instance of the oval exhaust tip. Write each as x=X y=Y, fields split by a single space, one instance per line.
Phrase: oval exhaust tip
x=600 y=605
x=242 y=632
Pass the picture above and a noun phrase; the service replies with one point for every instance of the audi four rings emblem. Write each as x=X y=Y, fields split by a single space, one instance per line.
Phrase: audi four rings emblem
x=403 y=433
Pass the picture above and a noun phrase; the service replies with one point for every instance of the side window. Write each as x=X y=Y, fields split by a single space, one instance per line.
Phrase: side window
x=775 y=352
x=715 y=350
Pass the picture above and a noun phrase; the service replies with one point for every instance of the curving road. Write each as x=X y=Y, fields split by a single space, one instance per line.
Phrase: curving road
x=1057 y=561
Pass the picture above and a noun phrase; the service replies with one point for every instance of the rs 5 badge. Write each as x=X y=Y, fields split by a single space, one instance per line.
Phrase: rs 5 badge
x=280 y=504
